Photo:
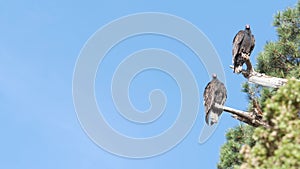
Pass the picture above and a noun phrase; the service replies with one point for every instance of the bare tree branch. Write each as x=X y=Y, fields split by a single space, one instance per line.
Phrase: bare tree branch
x=260 y=78
x=250 y=118
x=254 y=117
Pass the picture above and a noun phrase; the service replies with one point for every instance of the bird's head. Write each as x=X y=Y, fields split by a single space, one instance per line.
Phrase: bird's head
x=214 y=76
x=247 y=27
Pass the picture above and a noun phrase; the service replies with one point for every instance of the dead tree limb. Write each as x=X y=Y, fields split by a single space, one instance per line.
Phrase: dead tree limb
x=250 y=118
x=254 y=117
x=260 y=78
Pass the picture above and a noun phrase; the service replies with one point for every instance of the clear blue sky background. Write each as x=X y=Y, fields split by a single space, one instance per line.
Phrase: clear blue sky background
x=39 y=45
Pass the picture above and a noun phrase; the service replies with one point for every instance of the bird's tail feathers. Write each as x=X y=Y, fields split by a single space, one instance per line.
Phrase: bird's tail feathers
x=212 y=117
x=207 y=117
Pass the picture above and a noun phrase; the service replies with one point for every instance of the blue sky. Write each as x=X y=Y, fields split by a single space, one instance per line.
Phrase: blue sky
x=39 y=45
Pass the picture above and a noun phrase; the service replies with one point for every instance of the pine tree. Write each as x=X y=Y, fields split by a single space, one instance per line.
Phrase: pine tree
x=236 y=137
x=279 y=146
x=282 y=58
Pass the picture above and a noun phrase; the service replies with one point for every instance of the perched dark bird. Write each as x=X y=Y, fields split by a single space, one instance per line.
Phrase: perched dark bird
x=243 y=44
x=214 y=94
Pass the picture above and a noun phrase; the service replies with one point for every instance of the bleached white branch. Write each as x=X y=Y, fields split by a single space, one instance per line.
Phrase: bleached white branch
x=263 y=79
x=250 y=118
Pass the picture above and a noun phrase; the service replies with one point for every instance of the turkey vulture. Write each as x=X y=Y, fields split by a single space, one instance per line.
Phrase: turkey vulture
x=214 y=93
x=243 y=44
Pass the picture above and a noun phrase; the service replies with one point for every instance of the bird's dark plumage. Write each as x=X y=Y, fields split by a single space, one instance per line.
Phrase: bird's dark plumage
x=214 y=93
x=243 y=43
